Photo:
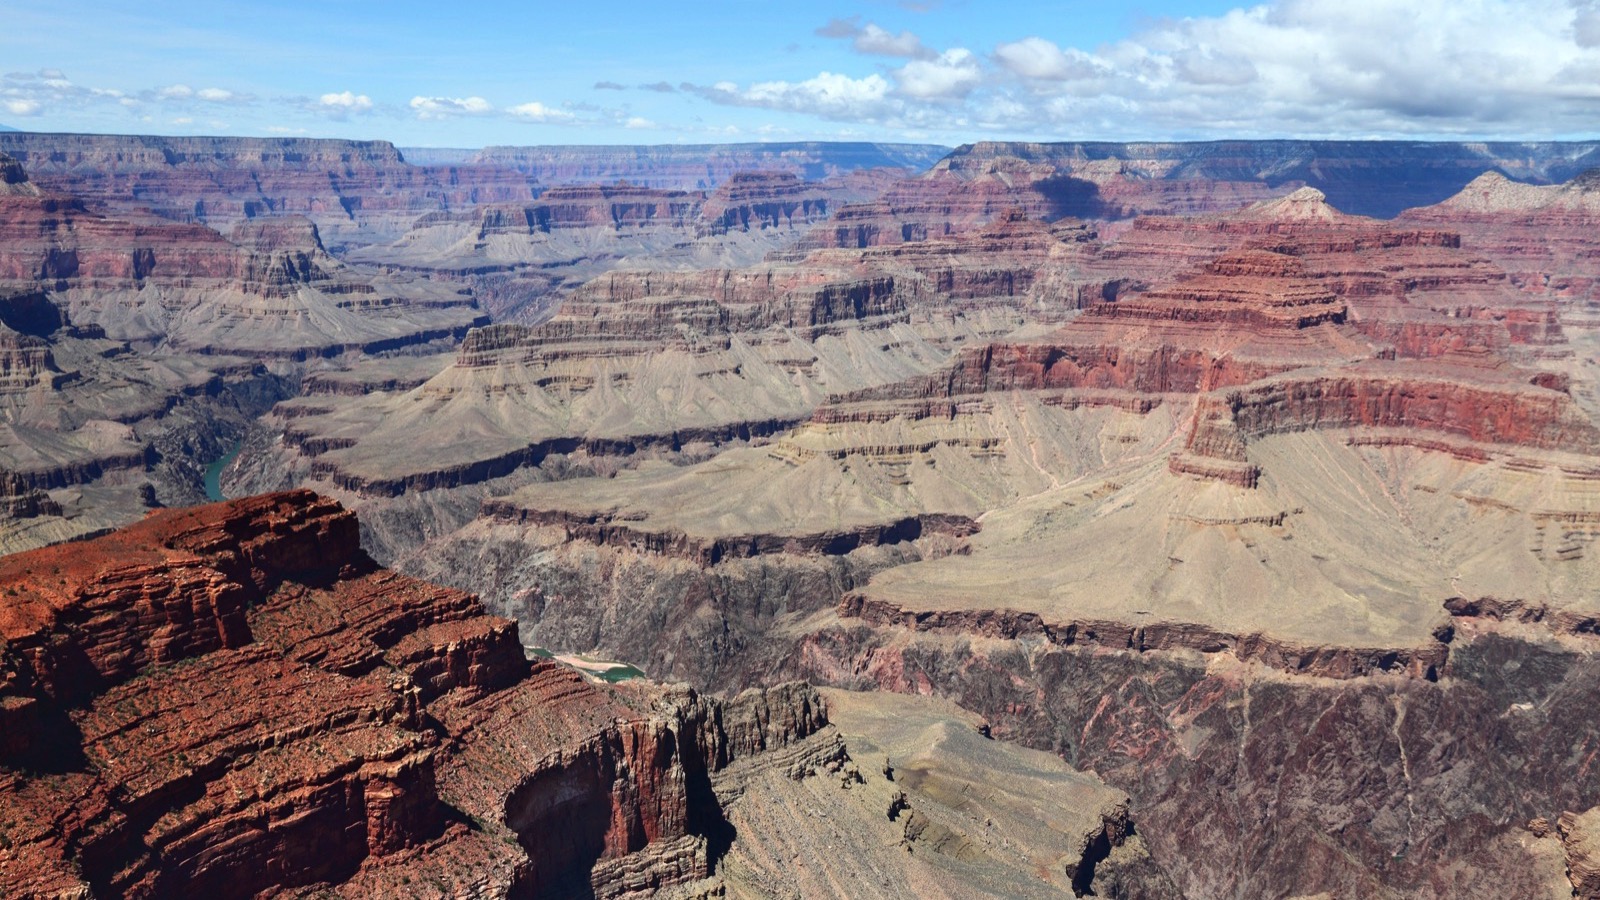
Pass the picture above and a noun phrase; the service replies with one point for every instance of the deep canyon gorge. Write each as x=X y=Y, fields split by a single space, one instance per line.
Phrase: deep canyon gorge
x=1206 y=519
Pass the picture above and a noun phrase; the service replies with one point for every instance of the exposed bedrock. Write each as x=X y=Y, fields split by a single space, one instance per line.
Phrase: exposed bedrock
x=1272 y=652
x=978 y=182
x=1373 y=178
x=234 y=699
x=357 y=191
x=763 y=200
x=603 y=530
x=1376 y=787
x=1404 y=405
x=1542 y=234
x=1393 y=785
x=270 y=289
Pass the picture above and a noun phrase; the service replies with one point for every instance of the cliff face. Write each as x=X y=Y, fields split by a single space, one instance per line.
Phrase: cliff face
x=978 y=182
x=1407 y=408
x=236 y=700
x=523 y=259
x=1370 y=178
x=357 y=191
x=272 y=289
x=703 y=166
x=1541 y=234
x=1282 y=518
x=1355 y=789
x=1354 y=752
x=1255 y=525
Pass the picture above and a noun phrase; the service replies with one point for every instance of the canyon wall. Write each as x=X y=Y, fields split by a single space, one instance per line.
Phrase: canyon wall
x=234 y=699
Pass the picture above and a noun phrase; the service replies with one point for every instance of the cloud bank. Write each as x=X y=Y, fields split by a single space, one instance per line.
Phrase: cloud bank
x=1294 y=67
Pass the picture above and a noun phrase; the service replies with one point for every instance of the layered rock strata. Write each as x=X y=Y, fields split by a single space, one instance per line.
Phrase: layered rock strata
x=925 y=803
x=703 y=166
x=521 y=260
x=271 y=289
x=234 y=700
x=356 y=191
x=1288 y=530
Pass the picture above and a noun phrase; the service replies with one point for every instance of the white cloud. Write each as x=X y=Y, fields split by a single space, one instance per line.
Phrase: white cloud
x=342 y=105
x=23 y=107
x=538 y=112
x=446 y=107
x=1586 y=24
x=638 y=122
x=1203 y=66
x=953 y=74
x=828 y=95
x=1037 y=58
x=176 y=92
x=1311 y=68
x=876 y=40
x=215 y=95
x=347 y=100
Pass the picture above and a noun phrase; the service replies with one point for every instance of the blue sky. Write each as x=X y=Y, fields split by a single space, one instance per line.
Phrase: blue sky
x=469 y=74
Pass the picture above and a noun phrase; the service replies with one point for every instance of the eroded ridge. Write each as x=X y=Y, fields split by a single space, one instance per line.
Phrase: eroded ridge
x=235 y=700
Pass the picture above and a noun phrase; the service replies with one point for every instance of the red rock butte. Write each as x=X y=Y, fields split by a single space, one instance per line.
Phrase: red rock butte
x=234 y=699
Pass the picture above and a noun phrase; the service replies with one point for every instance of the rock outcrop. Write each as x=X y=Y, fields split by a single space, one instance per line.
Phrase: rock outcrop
x=272 y=290
x=1578 y=840
x=523 y=259
x=1279 y=518
x=356 y=191
x=233 y=699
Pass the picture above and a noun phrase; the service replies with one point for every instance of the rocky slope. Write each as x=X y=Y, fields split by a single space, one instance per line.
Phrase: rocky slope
x=1542 y=235
x=1288 y=490
x=1373 y=178
x=1277 y=517
x=234 y=700
x=977 y=182
x=134 y=349
x=269 y=289
x=92 y=433
x=667 y=359
x=522 y=259
x=356 y=191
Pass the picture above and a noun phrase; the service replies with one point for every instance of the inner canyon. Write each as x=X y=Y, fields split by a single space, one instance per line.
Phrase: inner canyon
x=799 y=519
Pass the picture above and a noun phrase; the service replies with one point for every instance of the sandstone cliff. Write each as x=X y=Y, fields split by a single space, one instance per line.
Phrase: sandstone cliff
x=357 y=191
x=234 y=700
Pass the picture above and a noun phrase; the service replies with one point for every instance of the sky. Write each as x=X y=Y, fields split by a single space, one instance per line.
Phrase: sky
x=470 y=74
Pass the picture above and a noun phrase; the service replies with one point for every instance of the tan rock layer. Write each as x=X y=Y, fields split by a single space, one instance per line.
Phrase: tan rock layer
x=1325 y=662
x=604 y=530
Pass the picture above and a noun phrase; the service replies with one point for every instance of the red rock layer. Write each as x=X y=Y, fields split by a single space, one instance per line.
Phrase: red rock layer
x=52 y=243
x=1406 y=403
x=1543 y=236
x=584 y=206
x=763 y=200
x=1295 y=285
x=349 y=186
x=234 y=700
